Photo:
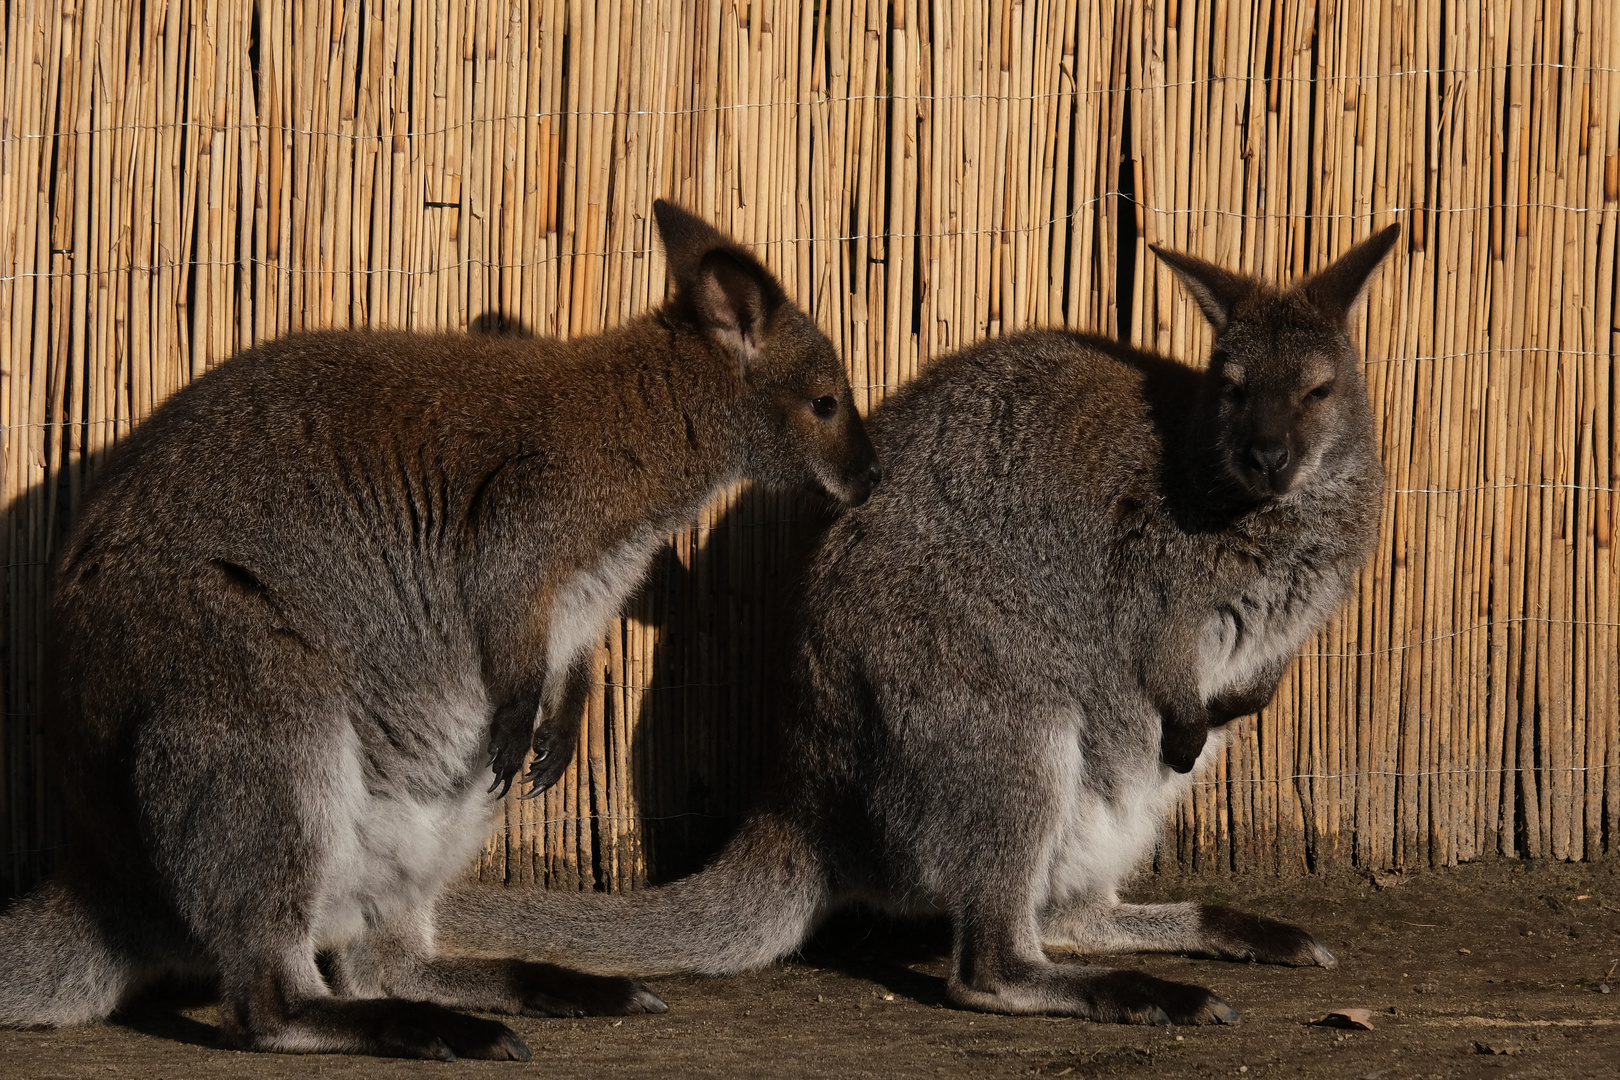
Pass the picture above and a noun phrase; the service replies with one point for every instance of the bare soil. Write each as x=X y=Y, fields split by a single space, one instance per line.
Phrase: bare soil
x=1492 y=970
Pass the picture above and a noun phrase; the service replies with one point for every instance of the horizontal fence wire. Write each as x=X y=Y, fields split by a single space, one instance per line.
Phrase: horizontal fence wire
x=919 y=177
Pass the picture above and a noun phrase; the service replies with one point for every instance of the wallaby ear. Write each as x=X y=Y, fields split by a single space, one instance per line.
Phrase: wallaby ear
x=1334 y=289
x=1217 y=291
x=687 y=238
x=726 y=290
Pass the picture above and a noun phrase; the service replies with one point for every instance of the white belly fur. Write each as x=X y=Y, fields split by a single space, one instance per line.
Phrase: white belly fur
x=390 y=853
x=1101 y=841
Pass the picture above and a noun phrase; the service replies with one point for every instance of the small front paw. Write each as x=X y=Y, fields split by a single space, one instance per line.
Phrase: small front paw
x=505 y=766
x=509 y=733
x=1179 y=745
x=552 y=754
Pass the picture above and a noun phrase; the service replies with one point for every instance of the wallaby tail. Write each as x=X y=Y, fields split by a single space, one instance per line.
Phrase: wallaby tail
x=756 y=902
x=60 y=963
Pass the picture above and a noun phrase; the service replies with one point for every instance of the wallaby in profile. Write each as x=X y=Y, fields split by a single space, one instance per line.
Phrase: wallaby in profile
x=320 y=587
x=1081 y=560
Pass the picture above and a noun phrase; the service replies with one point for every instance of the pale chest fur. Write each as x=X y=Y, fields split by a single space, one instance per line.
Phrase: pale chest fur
x=1100 y=839
x=590 y=598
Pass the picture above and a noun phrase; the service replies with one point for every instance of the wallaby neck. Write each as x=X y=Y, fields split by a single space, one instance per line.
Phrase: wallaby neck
x=652 y=410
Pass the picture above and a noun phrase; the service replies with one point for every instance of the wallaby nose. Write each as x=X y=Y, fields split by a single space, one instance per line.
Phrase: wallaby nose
x=1269 y=459
x=874 y=474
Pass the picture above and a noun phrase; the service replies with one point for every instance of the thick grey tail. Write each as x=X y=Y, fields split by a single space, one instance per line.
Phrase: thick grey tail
x=754 y=904
x=62 y=962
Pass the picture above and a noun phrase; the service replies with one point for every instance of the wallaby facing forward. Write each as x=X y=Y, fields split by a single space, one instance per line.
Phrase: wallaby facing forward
x=1081 y=559
x=319 y=588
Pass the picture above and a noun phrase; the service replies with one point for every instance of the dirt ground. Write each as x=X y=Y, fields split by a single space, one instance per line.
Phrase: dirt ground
x=1492 y=970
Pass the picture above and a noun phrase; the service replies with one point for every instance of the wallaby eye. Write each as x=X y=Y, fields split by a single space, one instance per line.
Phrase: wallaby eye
x=1320 y=392
x=1233 y=392
x=824 y=407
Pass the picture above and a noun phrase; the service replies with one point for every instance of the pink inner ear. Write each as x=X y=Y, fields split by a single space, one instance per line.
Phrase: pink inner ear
x=716 y=304
x=739 y=296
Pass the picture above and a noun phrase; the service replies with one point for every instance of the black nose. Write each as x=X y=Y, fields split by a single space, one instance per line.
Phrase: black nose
x=1269 y=459
x=874 y=473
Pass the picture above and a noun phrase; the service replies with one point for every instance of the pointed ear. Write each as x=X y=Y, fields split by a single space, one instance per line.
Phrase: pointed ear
x=1217 y=291
x=687 y=238
x=1334 y=290
x=726 y=291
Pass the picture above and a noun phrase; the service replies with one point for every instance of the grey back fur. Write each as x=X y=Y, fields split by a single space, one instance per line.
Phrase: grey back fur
x=326 y=590
x=1084 y=560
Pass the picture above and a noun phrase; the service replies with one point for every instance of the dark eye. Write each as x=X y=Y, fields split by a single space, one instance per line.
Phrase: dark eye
x=1233 y=392
x=824 y=407
x=1320 y=392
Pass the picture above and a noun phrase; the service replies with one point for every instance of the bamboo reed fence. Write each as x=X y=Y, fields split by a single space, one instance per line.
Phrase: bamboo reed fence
x=180 y=181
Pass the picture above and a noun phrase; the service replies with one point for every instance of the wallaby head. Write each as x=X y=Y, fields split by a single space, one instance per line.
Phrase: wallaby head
x=1287 y=393
x=799 y=423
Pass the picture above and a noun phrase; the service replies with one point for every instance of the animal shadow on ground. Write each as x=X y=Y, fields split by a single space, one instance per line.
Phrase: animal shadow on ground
x=159 y=1014
x=883 y=949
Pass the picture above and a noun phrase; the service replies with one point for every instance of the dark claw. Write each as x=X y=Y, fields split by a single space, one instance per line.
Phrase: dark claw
x=544 y=771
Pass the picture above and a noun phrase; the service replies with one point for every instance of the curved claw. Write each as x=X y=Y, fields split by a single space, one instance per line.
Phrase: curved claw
x=540 y=775
x=502 y=782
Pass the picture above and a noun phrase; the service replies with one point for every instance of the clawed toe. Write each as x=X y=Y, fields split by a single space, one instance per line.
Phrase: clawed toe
x=559 y=991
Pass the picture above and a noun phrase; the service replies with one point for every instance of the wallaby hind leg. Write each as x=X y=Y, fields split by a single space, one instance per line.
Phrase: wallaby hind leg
x=275 y=999
x=263 y=843
x=399 y=960
x=998 y=966
x=1203 y=929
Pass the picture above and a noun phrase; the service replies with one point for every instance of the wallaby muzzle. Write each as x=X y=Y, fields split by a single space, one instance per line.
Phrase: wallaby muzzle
x=861 y=472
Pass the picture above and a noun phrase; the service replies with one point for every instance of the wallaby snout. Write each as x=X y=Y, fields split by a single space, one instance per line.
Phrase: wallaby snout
x=858 y=470
x=1268 y=461
x=1269 y=458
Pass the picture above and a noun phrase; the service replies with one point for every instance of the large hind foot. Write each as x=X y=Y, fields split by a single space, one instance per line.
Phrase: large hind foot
x=1108 y=996
x=1199 y=929
x=1130 y=997
x=382 y=1027
x=522 y=988
x=549 y=990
